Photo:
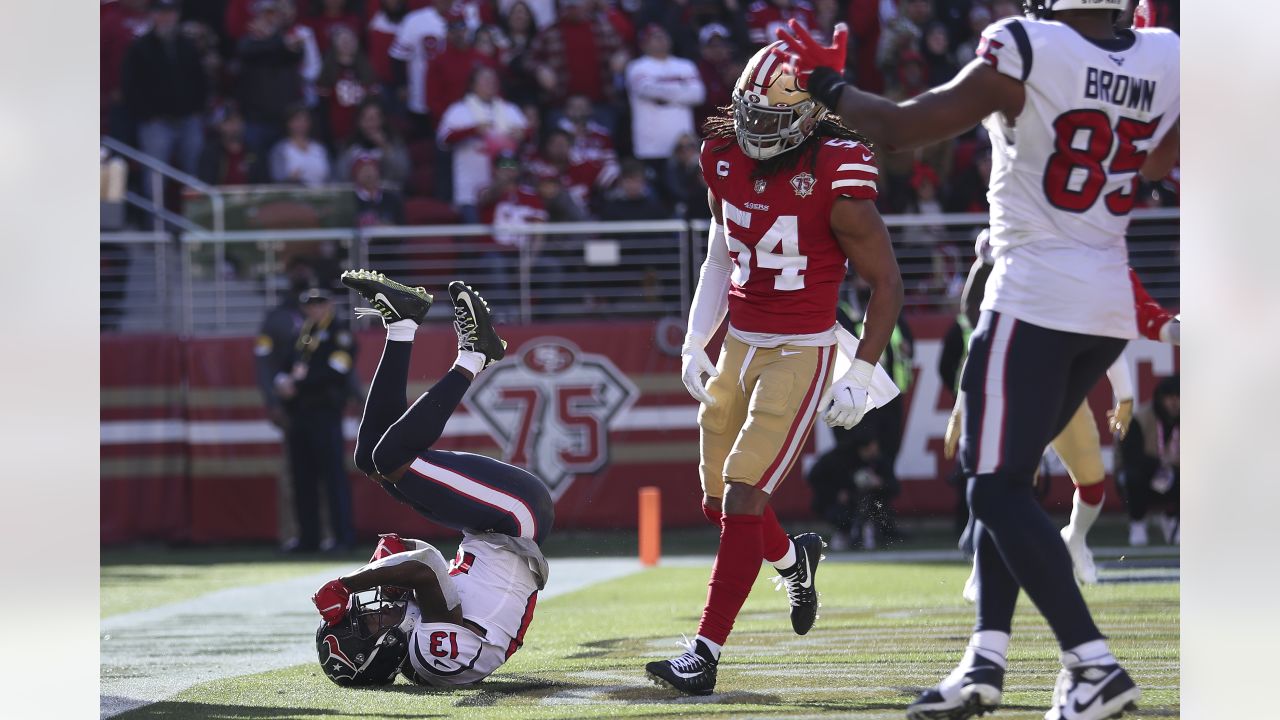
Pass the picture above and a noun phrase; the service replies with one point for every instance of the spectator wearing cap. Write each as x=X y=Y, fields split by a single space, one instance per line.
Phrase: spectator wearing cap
x=715 y=68
x=298 y=158
x=374 y=137
x=166 y=90
x=228 y=160
x=508 y=201
x=664 y=90
x=576 y=55
x=474 y=129
x=345 y=82
x=375 y=204
x=270 y=81
x=449 y=72
x=313 y=392
x=120 y=23
x=418 y=39
x=766 y=16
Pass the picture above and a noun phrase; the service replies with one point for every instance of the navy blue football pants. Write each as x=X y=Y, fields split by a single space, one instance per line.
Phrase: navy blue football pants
x=463 y=491
x=1022 y=383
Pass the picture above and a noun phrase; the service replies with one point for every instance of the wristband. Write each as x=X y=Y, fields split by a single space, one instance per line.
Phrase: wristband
x=826 y=84
x=861 y=372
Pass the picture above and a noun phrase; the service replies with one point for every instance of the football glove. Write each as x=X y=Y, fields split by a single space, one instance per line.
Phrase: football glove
x=693 y=364
x=1119 y=418
x=804 y=54
x=951 y=439
x=388 y=544
x=847 y=396
x=331 y=600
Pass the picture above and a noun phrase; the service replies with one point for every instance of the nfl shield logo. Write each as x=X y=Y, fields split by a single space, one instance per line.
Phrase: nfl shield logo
x=759 y=186
x=803 y=184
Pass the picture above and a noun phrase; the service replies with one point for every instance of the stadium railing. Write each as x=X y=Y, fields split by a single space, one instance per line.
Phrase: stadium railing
x=199 y=282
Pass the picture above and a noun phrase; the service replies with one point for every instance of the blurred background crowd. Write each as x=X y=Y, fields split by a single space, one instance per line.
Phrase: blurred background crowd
x=439 y=111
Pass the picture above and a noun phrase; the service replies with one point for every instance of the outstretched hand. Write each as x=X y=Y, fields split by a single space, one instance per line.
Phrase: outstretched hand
x=803 y=54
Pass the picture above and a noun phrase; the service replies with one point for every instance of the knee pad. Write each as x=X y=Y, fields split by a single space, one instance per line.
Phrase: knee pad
x=993 y=496
x=387 y=457
x=364 y=461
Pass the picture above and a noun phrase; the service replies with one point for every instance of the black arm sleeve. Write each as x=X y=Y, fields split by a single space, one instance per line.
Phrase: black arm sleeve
x=952 y=353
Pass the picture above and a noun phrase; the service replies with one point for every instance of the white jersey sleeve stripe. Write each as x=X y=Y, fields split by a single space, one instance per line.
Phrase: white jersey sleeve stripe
x=854 y=183
x=859 y=167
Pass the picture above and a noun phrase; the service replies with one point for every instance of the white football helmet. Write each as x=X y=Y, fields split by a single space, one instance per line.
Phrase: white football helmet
x=1044 y=9
x=771 y=114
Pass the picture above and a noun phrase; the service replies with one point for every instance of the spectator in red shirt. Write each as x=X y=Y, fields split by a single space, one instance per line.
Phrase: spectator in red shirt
x=576 y=56
x=864 y=32
x=228 y=161
x=766 y=16
x=329 y=16
x=381 y=33
x=508 y=201
x=449 y=72
x=374 y=138
x=345 y=81
x=484 y=41
x=585 y=182
x=120 y=23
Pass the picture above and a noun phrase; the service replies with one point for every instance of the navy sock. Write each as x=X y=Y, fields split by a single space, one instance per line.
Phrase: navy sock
x=997 y=590
x=422 y=424
x=1034 y=553
x=386 y=401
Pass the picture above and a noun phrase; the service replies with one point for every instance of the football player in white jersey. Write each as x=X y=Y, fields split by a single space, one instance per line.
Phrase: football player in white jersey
x=407 y=611
x=1076 y=110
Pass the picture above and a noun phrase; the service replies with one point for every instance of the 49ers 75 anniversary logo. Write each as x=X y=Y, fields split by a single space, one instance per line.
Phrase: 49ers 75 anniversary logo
x=550 y=407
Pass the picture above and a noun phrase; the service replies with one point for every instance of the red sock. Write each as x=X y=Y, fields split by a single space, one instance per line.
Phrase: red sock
x=735 y=571
x=776 y=540
x=1093 y=494
x=712 y=514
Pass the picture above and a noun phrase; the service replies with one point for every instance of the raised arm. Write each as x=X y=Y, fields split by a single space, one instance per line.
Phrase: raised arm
x=938 y=114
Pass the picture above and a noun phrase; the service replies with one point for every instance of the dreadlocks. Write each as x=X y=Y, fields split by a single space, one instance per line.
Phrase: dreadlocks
x=829 y=126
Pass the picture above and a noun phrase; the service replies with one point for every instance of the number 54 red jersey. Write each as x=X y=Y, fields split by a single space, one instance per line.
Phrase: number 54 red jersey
x=787 y=264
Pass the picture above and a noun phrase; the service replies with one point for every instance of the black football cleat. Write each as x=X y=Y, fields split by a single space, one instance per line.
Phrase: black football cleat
x=475 y=328
x=390 y=299
x=691 y=672
x=799 y=581
x=978 y=693
x=1093 y=692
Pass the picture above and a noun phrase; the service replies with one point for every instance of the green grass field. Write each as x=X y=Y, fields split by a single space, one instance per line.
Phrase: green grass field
x=885 y=631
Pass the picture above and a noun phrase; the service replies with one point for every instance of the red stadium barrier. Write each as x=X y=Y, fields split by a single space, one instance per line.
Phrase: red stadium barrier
x=595 y=409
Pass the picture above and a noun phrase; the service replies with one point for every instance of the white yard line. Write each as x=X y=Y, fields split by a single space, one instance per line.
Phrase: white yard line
x=151 y=655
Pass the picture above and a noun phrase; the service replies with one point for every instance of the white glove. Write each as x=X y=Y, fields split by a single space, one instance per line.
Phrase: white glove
x=1172 y=331
x=848 y=396
x=693 y=364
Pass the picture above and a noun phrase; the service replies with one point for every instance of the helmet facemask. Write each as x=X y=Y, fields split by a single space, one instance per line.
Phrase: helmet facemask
x=368 y=645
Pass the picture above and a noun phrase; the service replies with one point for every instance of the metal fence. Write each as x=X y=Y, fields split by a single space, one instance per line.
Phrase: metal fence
x=210 y=283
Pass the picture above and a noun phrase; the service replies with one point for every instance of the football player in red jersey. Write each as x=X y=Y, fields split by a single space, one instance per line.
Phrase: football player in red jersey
x=792 y=194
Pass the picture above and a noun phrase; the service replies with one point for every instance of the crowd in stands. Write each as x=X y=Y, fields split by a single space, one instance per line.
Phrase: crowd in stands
x=595 y=104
